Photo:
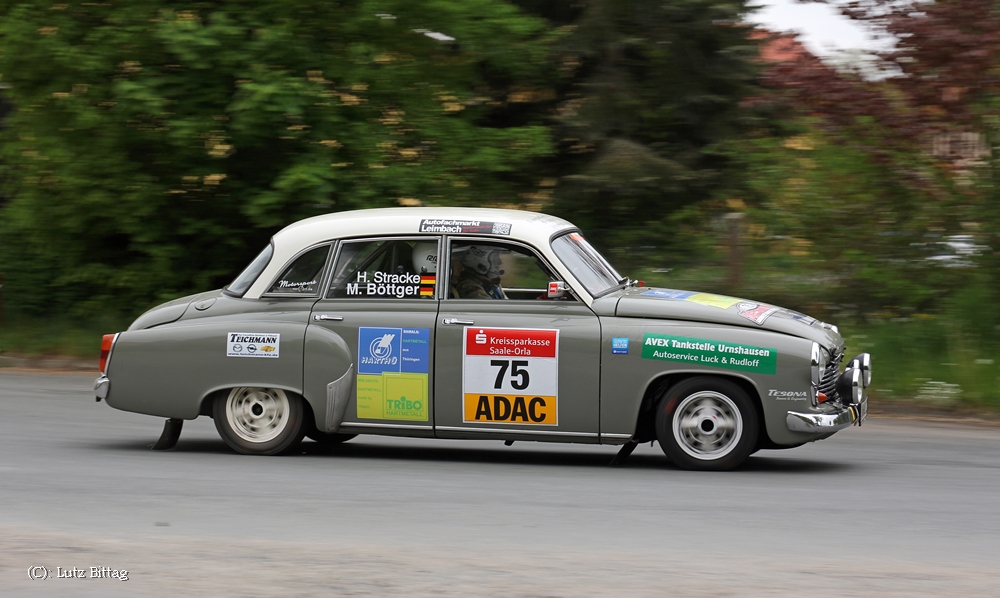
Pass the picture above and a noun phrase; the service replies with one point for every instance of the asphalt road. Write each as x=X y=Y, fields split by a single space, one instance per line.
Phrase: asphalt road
x=894 y=508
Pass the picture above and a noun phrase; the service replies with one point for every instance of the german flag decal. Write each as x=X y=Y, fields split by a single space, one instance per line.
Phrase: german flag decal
x=427 y=282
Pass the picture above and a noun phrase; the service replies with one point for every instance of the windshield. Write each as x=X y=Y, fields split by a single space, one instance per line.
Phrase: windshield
x=250 y=274
x=586 y=264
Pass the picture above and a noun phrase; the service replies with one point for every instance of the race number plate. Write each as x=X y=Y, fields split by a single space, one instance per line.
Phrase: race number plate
x=510 y=376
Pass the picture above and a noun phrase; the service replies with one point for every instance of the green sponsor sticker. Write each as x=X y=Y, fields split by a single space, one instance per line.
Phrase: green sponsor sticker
x=717 y=354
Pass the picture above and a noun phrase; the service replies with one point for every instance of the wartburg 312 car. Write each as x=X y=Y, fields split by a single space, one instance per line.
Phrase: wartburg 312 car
x=478 y=323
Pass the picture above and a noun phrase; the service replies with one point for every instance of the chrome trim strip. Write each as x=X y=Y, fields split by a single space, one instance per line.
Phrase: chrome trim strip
x=387 y=426
x=101 y=386
x=513 y=431
x=820 y=423
x=625 y=436
x=338 y=395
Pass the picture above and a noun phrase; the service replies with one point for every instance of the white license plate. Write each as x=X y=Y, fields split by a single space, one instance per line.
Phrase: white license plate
x=863 y=410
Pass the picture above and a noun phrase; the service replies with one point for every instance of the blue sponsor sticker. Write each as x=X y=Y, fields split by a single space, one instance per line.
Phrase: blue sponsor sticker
x=404 y=350
x=619 y=346
x=416 y=343
x=669 y=293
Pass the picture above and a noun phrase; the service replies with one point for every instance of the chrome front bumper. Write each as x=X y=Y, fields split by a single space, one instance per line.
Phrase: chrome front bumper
x=824 y=423
x=101 y=386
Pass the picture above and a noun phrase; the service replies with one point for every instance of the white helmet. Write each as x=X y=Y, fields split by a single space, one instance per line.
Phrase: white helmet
x=483 y=261
x=425 y=258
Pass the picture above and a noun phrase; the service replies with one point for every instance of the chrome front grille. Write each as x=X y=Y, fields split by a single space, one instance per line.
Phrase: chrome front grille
x=828 y=383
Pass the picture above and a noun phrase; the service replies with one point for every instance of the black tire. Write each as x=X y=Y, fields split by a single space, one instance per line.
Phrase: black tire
x=325 y=439
x=707 y=424
x=259 y=421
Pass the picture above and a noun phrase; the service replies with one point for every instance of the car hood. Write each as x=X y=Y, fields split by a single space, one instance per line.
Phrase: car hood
x=674 y=304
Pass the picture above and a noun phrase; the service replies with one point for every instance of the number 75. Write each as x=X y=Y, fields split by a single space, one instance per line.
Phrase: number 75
x=518 y=373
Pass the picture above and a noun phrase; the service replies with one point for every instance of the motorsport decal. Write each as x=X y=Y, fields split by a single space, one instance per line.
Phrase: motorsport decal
x=756 y=312
x=392 y=373
x=718 y=354
x=252 y=344
x=384 y=284
x=440 y=225
x=720 y=301
x=308 y=286
x=619 y=346
x=510 y=376
x=788 y=395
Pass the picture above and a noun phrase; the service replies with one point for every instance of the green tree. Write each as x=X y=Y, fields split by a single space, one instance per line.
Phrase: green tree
x=652 y=92
x=155 y=146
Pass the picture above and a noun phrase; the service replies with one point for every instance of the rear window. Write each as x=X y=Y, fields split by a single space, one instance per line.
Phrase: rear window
x=247 y=277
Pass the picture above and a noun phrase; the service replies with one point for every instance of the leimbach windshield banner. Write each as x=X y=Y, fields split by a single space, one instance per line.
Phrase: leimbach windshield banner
x=712 y=353
x=511 y=376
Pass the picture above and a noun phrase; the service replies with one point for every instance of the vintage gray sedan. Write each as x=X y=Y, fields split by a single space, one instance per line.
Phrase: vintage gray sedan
x=478 y=323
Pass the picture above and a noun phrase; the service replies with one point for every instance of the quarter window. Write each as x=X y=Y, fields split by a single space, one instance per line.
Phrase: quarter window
x=386 y=269
x=303 y=276
x=246 y=278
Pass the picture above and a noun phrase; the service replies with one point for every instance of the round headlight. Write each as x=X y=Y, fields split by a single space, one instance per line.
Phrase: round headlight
x=863 y=362
x=850 y=387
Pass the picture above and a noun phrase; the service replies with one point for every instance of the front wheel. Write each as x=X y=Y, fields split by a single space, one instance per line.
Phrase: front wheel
x=259 y=421
x=707 y=424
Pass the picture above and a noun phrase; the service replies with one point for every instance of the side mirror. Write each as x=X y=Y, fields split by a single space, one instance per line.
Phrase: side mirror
x=557 y=289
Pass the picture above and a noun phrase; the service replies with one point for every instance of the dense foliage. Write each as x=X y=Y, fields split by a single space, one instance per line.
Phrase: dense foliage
x=156 y=146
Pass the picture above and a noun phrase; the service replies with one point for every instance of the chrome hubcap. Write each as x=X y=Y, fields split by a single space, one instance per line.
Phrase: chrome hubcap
x=257 y=414
x=707 y=425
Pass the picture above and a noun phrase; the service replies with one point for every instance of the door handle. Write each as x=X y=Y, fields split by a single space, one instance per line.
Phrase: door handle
x=457 y=321
x=326 y=318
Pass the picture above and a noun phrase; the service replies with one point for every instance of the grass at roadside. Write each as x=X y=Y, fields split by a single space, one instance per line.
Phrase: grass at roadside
x=929 y=361
x=56 y=337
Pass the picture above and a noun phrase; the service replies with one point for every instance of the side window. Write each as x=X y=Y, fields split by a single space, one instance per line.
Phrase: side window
x=386 y=269
x=303 y=276
x=496 y=270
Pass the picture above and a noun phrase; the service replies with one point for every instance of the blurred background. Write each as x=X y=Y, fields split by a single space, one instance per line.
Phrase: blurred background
x=149 y=149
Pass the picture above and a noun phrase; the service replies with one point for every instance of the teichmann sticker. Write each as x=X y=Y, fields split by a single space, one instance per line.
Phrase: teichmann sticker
x=717 y=354
x=253 y=344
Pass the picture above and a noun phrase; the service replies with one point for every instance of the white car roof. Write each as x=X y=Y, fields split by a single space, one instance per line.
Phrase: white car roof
x=529 y=227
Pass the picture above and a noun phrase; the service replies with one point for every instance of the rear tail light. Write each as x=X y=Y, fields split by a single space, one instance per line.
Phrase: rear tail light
x=107 y=341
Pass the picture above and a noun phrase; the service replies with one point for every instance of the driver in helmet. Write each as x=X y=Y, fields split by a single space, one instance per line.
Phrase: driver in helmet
x=480 y=275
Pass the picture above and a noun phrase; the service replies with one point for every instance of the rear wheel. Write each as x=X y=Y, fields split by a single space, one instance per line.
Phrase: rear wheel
x=707 y=423
x=259 y=421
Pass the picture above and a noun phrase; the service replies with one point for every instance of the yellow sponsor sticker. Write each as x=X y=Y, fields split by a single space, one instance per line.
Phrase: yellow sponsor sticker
x=393 y=396
x=511 y=409
x=720 y=301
